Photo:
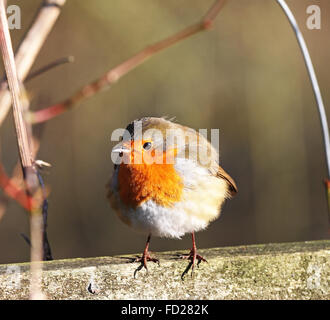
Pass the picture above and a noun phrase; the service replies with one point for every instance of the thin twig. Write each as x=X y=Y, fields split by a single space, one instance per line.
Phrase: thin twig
x=122 y=69
x=40 y=195
x=24 y=147
x=30 y=47
x=47 y=252
x=316 y=89
x=49 y=66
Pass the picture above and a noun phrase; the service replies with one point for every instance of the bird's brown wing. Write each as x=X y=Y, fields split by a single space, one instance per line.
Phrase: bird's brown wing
x=214 y=167
x=231 y=183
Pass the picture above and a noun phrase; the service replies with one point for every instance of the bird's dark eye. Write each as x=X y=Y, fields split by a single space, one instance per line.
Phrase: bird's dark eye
x=147 y=146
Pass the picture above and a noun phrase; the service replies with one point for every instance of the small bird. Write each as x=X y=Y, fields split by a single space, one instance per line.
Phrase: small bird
x=163 y=186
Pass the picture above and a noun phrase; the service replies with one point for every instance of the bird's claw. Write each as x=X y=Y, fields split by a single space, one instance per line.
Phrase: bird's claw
x=192 y=256
x=143 y=260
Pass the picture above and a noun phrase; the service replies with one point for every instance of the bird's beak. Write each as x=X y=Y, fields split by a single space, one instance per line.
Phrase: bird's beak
x=121 y=148
x=121 y=153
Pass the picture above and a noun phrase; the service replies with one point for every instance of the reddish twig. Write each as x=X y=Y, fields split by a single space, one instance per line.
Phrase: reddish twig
x=122 y=69
x=13 y=191
x=15 y=184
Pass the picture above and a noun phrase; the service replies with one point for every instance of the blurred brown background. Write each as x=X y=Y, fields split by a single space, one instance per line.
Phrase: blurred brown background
x=245 y=77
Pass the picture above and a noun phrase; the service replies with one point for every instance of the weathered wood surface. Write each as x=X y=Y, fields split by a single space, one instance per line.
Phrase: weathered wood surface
x=272 y=271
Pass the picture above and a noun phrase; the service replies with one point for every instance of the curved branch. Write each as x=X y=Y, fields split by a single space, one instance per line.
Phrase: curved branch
x=317 y=92
x=313 y=79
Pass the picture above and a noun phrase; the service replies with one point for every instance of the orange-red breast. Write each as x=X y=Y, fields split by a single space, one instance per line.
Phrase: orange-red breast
x=162 y=186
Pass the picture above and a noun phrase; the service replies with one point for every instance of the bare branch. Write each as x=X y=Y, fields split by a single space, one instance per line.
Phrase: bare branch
x=30 y=47
x=119 y=71
x=31 y=179
x=317 y=92
x=26 y=54
x=10 y=67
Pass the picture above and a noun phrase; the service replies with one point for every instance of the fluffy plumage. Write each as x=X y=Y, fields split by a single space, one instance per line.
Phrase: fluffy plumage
x=169 y=199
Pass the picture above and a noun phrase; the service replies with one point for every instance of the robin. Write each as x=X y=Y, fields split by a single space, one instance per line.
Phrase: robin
x=167 y=182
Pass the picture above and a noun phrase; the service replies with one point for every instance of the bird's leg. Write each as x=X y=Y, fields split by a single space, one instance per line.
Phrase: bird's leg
x=145 y=257
x=192 y=256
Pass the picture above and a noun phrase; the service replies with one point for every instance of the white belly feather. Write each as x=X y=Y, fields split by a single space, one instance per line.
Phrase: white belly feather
x=193 y=213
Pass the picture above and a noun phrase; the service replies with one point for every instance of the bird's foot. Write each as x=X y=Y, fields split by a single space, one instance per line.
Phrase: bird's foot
x=192 y=256
x=143 y=260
